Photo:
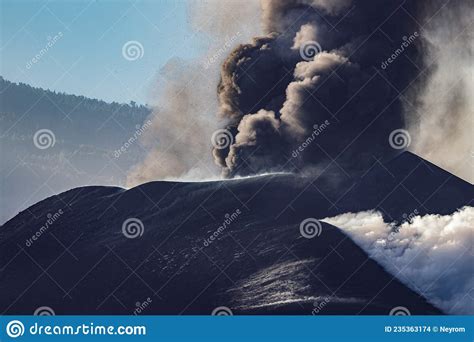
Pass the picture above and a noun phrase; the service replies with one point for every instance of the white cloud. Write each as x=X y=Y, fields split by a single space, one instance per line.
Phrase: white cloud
x=432 y=254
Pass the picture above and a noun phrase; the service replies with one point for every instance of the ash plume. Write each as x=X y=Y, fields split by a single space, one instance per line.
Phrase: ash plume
x=320 y=82
x=319 y=61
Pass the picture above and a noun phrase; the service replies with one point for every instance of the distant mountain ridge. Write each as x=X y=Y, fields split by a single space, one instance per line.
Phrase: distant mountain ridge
x=19 y=96
x=84 y=134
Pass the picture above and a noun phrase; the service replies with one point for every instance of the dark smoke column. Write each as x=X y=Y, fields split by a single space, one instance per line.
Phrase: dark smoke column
x=313 y=90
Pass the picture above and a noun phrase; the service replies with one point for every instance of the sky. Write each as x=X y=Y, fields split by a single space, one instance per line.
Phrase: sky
x=84 y=42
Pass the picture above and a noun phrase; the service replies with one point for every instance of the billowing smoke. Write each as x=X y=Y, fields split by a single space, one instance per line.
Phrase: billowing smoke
x=184 y=95
x=441 y=117
x=174 y=137
x=319 y=62
x=432 y=254
x=325 y=81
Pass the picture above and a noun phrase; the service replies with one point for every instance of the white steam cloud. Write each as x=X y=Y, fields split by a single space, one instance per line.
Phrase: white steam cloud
x=442 y=119
x=432 y=254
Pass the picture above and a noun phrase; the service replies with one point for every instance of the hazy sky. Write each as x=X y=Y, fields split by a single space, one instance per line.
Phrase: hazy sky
x=87 y=58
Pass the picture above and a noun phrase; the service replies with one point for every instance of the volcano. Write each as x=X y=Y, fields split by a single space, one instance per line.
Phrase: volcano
x=191 y=247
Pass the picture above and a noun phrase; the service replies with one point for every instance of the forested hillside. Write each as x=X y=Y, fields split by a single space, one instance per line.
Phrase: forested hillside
x=53 y=141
